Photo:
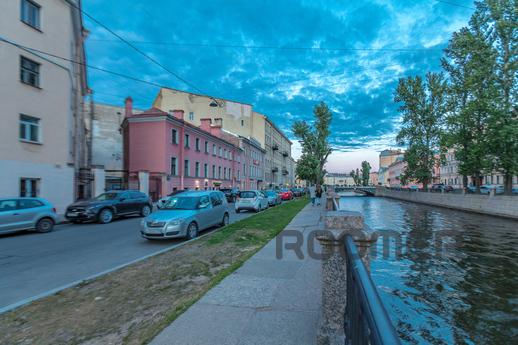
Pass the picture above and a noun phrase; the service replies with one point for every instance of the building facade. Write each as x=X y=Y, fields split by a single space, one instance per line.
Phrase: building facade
x=44 y=138
x=387 y=157
x=338 y=180
x=279 y=165
x=178 y=155
x=373 y=178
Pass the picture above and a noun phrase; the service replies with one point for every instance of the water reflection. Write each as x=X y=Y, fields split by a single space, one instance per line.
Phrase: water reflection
x=456 y=279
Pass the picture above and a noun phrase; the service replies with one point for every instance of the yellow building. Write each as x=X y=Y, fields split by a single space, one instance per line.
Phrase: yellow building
x=238 y=118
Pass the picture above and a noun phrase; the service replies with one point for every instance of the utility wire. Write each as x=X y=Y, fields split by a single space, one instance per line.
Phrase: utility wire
x=454 y=4
x=185 y=81
x=267 y=47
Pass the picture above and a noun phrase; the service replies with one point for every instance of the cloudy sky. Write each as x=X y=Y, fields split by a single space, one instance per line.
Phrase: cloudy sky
x=281 y=56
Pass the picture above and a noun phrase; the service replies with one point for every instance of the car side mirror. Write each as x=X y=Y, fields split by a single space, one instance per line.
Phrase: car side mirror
x=205 y=205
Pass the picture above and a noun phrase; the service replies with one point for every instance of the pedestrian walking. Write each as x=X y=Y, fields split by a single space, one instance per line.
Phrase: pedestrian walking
x=312 y=195
x=318 y=195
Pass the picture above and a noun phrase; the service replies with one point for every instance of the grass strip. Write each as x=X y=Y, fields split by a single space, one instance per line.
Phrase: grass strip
x=132 y=305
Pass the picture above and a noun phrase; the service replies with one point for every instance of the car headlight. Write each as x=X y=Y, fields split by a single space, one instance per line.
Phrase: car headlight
x=174 y=223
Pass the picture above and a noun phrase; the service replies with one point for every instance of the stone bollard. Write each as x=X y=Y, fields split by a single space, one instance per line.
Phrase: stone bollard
x=338 y=224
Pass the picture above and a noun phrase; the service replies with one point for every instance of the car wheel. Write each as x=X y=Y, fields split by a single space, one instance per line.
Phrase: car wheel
x=145 y=211
x=192 y=230
x=105 y=216
x=226 y=219
x=45 y=225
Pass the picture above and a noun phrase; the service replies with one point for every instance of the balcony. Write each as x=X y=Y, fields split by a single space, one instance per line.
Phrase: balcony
x=285 y=171
x=285 y=153
x=275 y=169
x=275 y=147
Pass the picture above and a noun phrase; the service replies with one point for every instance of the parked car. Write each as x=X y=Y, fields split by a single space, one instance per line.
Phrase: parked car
x=107 y=206
x=286 y=194
x=26 y=214
x=486 y=188
x=273 y=197
x=230 y=193
x=297 y=192
x=162 y=201
x=186 y=214
x=251 y=200
x=439 y=187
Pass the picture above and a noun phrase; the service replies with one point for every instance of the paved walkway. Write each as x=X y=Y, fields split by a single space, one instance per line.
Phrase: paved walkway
x=266 y=301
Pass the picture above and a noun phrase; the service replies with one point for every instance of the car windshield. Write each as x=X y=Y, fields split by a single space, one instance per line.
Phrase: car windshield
x=182 y=203
x=106 y=196
x=247 y=195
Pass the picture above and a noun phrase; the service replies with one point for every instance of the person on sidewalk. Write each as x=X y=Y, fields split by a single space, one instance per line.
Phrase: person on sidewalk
x=318 y=195
x=312 y=195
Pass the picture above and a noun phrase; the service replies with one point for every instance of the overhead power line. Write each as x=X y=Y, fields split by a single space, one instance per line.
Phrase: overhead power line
x=268 y=47
x=455 y=4
x=185 y=81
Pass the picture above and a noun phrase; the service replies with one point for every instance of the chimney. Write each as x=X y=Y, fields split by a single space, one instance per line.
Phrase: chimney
x=215 y=129
x=128 y=105
x=205 y=124
x=178 y=114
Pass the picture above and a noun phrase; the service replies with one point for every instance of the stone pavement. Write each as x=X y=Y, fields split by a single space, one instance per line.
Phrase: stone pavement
x=266 y=301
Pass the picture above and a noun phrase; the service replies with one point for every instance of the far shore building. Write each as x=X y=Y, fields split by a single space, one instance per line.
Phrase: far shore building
x=387 y=157
x=373 y=178
x=43 y=132
x=168 y=153
x=338 y=180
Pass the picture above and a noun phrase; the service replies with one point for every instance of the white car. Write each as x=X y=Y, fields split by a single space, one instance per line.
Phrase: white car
x=251 y=200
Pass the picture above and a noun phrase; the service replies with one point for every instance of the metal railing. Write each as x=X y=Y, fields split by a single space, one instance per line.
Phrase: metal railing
x=366 y=320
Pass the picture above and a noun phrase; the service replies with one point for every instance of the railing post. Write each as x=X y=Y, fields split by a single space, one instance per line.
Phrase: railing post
x=337 y=225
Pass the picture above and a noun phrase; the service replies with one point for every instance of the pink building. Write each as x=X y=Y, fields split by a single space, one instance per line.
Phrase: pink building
x=395 y=171
x=178 y=155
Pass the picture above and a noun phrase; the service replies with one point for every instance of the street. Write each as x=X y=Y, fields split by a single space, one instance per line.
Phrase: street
x=32 y=263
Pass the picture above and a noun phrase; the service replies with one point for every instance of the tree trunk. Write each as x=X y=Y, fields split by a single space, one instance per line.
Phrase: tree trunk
x=508 y=184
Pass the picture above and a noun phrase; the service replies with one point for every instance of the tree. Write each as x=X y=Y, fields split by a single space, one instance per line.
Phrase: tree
x=498 y=19
x=365 y=173
x=353 y=175
x=422 y=109
x=315 y=146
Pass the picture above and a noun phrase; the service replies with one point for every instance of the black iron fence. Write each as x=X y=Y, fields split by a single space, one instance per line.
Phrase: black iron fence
x=366 y=320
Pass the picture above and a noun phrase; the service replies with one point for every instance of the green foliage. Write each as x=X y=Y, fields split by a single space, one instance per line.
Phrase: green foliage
x=481 y=62
x=422 y=109
x=315 y=145
x=366 y=169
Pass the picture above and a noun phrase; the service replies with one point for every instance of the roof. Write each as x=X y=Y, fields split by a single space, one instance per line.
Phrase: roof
x=390 y=152
x=202 y=95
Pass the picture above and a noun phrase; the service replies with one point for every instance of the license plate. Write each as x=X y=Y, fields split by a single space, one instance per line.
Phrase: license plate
x=72 y=214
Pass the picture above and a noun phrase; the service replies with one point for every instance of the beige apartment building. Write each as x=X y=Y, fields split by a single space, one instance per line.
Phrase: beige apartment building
x=43 y=137
x=387 y=157
x=278 y=163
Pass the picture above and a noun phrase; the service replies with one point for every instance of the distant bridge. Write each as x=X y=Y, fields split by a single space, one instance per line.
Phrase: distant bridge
x=357 y=189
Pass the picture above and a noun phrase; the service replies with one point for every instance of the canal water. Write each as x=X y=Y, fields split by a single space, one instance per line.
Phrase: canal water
x=453 y=279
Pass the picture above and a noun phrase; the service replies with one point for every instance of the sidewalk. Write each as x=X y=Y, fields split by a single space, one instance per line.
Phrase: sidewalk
x=266 y=301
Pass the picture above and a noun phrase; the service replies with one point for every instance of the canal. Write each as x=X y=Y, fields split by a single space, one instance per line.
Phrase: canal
x=453 y=279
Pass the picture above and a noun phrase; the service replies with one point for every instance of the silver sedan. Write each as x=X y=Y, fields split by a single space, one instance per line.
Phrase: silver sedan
x=186 y=214
x=26 y=214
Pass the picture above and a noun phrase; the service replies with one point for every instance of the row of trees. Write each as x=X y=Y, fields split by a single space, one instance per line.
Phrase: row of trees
x=361 y=176
x=471 y=106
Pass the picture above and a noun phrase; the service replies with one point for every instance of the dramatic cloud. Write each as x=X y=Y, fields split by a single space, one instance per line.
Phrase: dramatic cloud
x=250 y=51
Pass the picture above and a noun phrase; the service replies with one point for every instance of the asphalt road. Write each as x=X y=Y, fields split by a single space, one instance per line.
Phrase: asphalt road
x=32 y=263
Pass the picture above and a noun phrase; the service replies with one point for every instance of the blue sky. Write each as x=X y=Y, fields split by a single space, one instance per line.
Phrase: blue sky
x=250 y=51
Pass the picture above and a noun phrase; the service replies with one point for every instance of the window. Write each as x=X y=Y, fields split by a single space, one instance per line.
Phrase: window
x=220 y=151
x=186 y=139
x=205 y=170
x=198 y=144
x=242 y=123
x=29 y=187
x=8 y=205
x=30 y=13
x=29 y=203
x=230 y=156
x=197 y=169
x=214 y=150
x=29 y=72
x=239 y=174
x=224 y=173
x=30 y=129
x=206 y=147
x=191 y=116
x=216 y=199
x=174 y=166
x=219 y=172
x=225 y=153
x=174 y=136
x=186 y=168
x=213 y=171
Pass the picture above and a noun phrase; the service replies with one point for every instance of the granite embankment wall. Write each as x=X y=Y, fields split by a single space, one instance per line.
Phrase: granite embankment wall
x=498 y=205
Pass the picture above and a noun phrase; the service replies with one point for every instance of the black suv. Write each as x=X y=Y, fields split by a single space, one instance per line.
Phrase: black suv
x=230 y=193
x=109 y=205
